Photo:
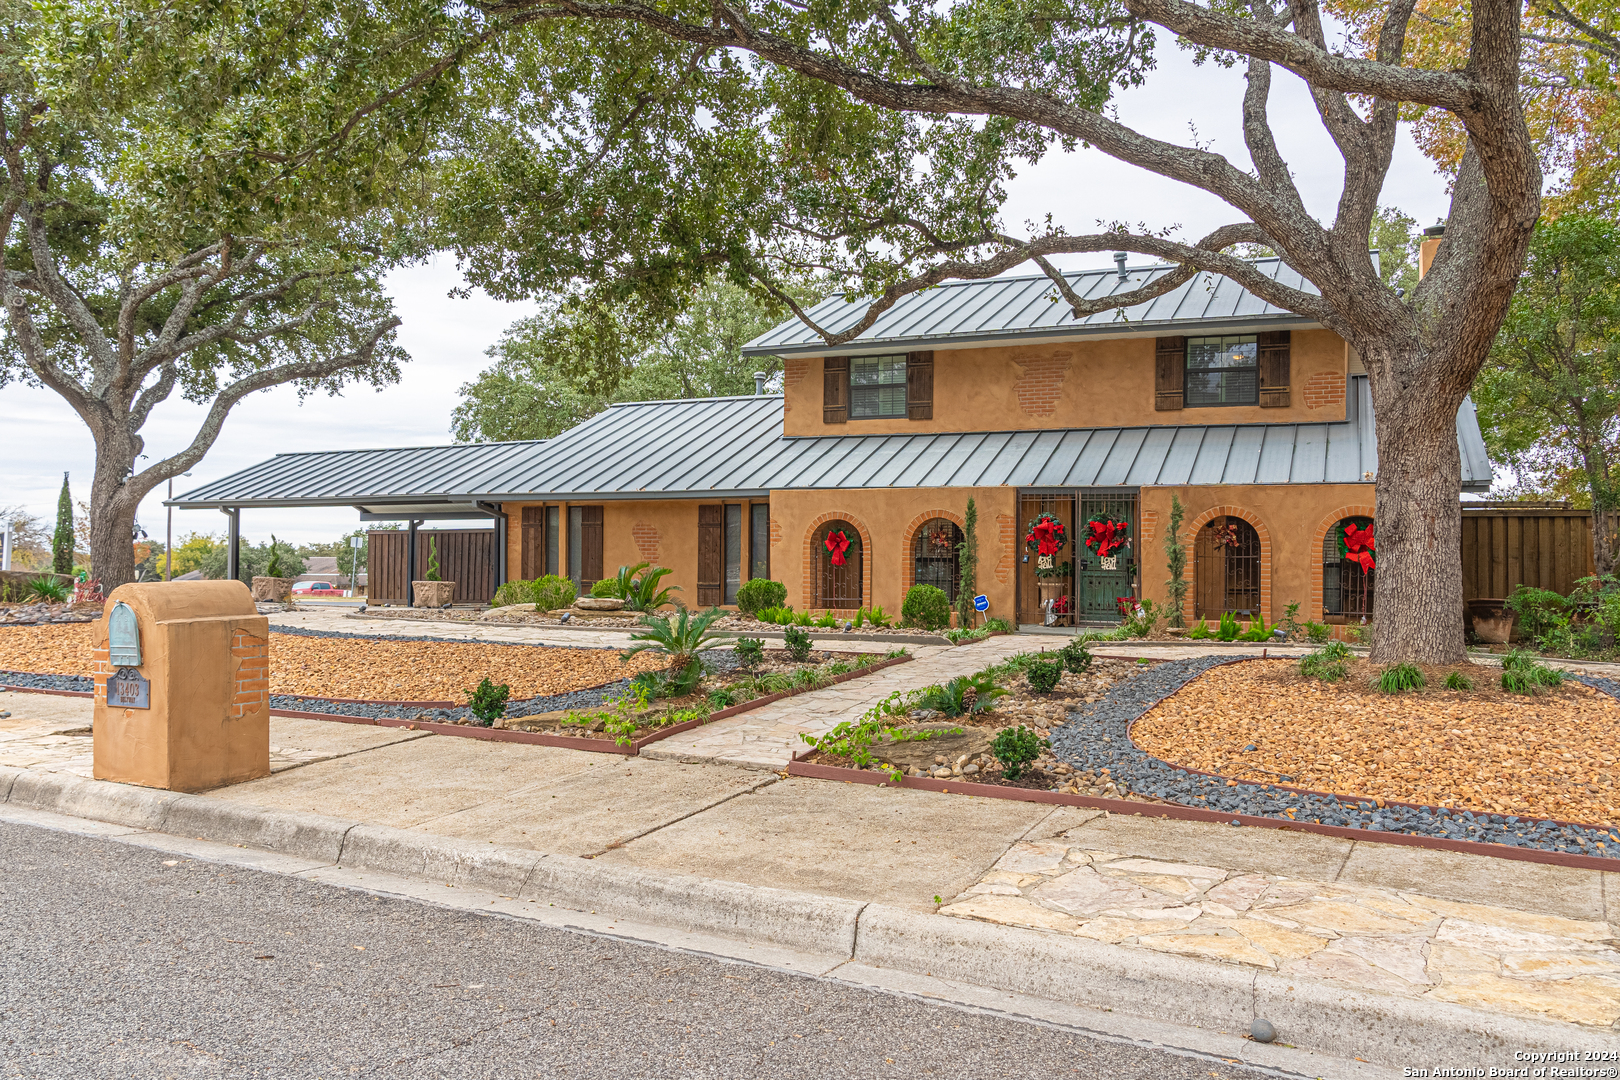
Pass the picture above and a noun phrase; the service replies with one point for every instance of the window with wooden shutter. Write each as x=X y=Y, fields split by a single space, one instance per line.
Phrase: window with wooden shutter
x=920 y=386
x=711 y=561
x=534 y=542
x=1275 y=363
x=590 y=547
x=834 y=391
x=1169 y=373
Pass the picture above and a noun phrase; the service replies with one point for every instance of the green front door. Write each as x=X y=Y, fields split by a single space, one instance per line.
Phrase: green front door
x=1099 y=588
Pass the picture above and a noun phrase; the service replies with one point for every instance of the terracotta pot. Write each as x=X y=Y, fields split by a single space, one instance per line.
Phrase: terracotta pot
x=1490 y=620
x=432 y=593
x=274 y=589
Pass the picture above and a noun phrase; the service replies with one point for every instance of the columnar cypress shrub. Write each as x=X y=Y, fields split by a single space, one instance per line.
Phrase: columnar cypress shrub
x=62 y=539
x=1176 y=559
x=967 y=563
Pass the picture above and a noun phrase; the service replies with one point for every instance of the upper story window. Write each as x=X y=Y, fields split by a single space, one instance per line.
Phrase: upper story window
x=877 y=387
x=1223 y=370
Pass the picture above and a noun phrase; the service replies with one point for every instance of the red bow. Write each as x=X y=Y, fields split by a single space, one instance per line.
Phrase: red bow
x=1042 y=532
x=1359 y=546
x=1106 y=536
x=837 y=543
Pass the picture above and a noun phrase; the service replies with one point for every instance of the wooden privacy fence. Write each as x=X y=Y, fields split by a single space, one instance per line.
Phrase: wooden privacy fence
x=466 y=557
x=1545 y=547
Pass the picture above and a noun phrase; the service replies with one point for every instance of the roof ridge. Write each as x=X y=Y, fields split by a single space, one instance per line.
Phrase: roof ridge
x=434 y=446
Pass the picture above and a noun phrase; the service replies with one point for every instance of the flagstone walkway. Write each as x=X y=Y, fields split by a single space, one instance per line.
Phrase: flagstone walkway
x=1385 y=939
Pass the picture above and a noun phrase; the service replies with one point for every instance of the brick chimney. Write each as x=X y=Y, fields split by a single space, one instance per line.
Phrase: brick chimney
x=1431 y=244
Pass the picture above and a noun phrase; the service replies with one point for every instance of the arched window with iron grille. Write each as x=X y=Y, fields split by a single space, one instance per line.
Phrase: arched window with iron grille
x=934 y=556
x=837 y=586
x=1227 y=569
x=1347 y=588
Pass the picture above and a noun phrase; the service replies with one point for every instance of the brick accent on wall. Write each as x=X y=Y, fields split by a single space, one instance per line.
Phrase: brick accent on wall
x=793 y=373
x=1260 y=529
x=252 y=688
x=776 y=532
x=810 y=556
x=100 y=670
x=646 y=536
x=1039 y=382
x=908 y=568
x=1318 y=542
x=1323 y=390
x=1009 y=548
x=1148 y=529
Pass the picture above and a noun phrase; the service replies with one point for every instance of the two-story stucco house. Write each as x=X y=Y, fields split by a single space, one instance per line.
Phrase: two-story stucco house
x=1257 y=420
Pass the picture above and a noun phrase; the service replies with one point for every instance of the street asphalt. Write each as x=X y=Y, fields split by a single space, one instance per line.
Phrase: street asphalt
x=120 y=961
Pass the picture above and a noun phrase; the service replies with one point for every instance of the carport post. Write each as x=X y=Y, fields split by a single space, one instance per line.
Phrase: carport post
x=233 y=541
x=410 y=562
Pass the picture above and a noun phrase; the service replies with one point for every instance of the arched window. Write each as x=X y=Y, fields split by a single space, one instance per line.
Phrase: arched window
x=1227 y=568
x=934 y=556
x=1349 y=570
x=838 y=566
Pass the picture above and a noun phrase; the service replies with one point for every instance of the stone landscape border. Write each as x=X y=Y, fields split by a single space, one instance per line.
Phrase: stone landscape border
x=799 y=766
x=540 y=738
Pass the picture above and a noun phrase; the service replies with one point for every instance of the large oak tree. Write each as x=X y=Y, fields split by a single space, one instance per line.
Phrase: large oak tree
x=640 y=144
x=201 y=199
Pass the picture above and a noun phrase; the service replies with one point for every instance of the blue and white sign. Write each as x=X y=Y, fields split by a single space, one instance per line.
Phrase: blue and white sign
x=981 y=603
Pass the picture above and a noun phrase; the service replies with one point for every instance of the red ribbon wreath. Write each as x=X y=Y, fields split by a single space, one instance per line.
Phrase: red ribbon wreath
x=837 y=543
x=1106 y=535
x=1359 y=545
x=1044 y=533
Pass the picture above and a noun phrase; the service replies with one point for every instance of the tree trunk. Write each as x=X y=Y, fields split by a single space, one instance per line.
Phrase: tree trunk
x=1602 y=546
x=112 y=524
x=1419 y=601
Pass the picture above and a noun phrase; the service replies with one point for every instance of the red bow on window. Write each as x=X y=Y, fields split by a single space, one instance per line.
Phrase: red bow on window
x=837 y=543
x=1359 y=545
x=1046 y=543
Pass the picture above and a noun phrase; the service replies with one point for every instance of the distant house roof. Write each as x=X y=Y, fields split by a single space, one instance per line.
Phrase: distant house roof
x=733 y=447
x=1029 y=310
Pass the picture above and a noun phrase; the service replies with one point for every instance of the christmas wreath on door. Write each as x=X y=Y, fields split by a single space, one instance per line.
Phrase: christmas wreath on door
x=1045 y=536
x=1105 y=535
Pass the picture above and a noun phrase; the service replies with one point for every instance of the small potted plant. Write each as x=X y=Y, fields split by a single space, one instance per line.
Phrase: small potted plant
x=271 y=585
x=432 y=591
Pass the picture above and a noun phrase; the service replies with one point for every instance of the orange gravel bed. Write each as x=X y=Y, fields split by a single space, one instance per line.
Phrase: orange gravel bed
x=1550 y=756
x=388 y=668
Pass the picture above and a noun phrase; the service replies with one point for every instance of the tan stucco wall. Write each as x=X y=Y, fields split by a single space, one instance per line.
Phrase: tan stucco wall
x=1290 y=519
x=1074 y=384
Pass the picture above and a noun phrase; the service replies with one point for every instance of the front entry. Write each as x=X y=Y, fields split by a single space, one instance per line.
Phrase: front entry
x=1076 y=584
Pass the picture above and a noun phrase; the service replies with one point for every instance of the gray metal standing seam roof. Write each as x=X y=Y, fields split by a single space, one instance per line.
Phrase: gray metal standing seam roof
x=718 y=447
x=1014 y=309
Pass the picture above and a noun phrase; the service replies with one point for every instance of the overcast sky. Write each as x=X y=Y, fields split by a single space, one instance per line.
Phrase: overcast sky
x=446 y=337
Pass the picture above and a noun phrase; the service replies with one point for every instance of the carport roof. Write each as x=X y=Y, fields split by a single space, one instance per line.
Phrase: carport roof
x=734 y=447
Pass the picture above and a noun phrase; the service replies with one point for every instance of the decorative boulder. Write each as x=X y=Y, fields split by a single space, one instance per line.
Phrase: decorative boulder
x=599 y=603
x=430 y=594
x=276 y=589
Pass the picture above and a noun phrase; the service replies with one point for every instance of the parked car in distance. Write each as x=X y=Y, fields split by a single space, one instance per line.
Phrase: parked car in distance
x=316 y=588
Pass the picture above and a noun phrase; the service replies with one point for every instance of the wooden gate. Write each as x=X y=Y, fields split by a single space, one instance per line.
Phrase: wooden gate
x=1508 y=544
x=466 y=557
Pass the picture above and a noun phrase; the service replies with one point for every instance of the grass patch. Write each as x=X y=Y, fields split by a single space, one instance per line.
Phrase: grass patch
x=1400 y=678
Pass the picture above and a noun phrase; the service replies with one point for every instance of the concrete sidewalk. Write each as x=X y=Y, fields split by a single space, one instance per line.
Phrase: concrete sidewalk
x=1255 y=918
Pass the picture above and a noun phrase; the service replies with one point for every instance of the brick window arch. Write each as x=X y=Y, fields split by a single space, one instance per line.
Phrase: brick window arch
x=1263 y=538
x=933 y=557
x=1324 y=534
x=1227 y=568
x=1347 y=588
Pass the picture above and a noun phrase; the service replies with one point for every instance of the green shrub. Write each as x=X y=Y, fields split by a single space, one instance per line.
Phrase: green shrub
x=838 y=667
x=1317 y=633
x=1522 y=673
x=1228 y=629
x=878 y=617
x=1290 y=623
x=1399 y=678
x=1043 y=675
x=808 y=679
x=1143 y=617
x=1201 y=631
x=998 y=625
x=1458 y=681
x=1539 y=610
x=513 y=592
x=680 y=637
x=826 y=621
x=1014 y=748
x=797 y=643
x=757 y=594
x=552 y=592
x=432 y=567
x=1257 y=631
x=720 y=699
x=1330 y=663
x=1076 y=657
x=926 y=606
x=607 y=589
x=962 y=695
x=488 y=702
x=803 y=618
x=273 y=567
x=47 y=587
x=750 y=651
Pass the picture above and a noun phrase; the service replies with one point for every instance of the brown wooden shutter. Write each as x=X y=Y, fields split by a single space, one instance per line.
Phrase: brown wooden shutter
x=1169 y=373
x=920 y=386
x=590 y=546
x=1274 y=369
x=534 y=542
x=834 y=391
x=711 y=548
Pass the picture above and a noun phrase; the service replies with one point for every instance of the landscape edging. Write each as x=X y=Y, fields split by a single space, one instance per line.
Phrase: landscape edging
x=1014 y=959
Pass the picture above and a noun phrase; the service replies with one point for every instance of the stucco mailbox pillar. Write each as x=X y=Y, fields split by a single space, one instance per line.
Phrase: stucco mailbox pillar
x=182 y=686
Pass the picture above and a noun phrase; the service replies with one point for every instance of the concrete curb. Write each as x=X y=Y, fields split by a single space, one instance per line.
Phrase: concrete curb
x=1311 y=1014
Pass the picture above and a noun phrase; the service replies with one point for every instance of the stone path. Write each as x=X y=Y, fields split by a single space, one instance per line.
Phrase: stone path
x=1389 y=940
x=767 y=737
